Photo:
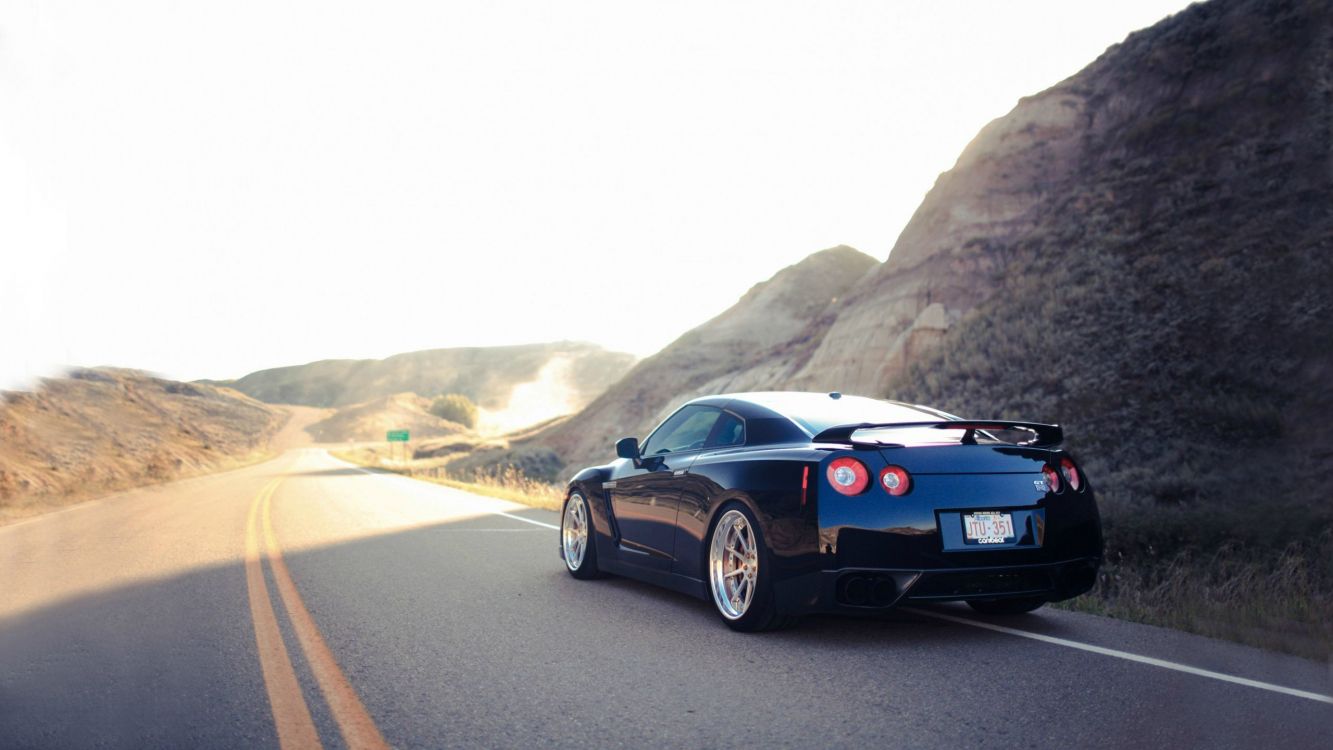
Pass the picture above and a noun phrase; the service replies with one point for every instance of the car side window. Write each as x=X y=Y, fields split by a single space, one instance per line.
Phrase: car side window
x=730 y=430
x=687 y=429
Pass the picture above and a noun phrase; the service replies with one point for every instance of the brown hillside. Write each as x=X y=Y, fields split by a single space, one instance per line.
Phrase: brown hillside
x=101 y=430
x=487 y=375
x=1161 y=286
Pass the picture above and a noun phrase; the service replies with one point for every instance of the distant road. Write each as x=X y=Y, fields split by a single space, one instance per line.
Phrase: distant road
x=306 y=602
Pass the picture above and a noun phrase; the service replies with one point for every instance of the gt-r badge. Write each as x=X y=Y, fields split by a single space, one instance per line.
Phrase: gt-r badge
x=1040 y=485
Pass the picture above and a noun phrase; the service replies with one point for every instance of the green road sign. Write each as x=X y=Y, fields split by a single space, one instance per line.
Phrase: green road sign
x=396 y=436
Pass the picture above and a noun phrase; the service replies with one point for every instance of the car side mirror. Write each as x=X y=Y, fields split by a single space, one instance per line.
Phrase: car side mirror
x=628 y=448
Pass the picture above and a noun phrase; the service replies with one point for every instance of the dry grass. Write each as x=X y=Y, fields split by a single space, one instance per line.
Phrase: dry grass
x=100 y=431
x=1276 y=602
x=26 y=506
x=505 y=483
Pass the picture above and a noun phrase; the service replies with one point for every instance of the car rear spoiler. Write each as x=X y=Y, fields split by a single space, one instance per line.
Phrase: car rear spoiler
x=1043 y=435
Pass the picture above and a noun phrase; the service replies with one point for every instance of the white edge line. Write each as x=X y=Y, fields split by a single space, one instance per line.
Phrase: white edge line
x=1164 y=664
x=526 y=520
x=493 y=512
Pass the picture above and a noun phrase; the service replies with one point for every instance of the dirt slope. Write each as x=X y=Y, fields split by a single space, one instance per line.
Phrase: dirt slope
x=101 y=430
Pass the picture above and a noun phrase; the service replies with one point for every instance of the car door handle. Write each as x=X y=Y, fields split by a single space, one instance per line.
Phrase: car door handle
x=678 y=472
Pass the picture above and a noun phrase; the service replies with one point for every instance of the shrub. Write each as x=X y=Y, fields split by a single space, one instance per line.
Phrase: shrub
x=455 y=407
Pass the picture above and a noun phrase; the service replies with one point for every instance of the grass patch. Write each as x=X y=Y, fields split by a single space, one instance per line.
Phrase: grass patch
x=1277 y=602
x=504 y=483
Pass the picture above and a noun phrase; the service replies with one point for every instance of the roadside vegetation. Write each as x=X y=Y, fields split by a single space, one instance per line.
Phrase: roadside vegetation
x=502 y=482
x=455 y=407
x=1276 y=601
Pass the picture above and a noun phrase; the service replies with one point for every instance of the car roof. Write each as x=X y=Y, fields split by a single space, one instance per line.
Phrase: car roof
x=807 y=409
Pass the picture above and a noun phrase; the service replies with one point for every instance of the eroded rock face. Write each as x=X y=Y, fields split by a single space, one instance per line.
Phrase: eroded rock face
x=1174 y=120
x=955 y=251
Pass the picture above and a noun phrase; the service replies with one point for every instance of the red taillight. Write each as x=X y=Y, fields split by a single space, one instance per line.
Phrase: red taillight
x=1052 y=479
x=848 y=476
x=895 y=480
x=1070 y=472
x=805 y=484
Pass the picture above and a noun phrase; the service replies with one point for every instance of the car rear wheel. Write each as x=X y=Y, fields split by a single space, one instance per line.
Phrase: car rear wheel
x=576 y=543
x=739 y=575
x=1006 y=606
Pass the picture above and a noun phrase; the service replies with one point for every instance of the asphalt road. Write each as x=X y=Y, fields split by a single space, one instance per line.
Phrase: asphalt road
x=305 y=602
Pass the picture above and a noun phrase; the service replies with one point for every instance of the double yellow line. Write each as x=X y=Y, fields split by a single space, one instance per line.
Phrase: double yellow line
x=290 y=713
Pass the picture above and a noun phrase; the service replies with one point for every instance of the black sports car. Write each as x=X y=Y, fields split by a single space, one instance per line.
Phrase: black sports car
x=773 y=505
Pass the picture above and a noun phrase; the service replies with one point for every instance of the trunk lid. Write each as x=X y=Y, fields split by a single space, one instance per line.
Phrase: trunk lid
x=955 y=458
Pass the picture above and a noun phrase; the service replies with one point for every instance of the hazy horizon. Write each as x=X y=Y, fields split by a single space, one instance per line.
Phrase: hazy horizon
x=208 y=191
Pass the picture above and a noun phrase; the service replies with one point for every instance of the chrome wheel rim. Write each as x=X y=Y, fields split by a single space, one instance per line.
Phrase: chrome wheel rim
x=574 y=531
x=733 y=564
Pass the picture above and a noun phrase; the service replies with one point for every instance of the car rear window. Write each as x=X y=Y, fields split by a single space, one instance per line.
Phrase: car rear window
x=820 y=413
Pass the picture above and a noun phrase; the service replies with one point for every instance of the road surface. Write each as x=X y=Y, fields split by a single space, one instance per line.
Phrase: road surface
x=305 y=602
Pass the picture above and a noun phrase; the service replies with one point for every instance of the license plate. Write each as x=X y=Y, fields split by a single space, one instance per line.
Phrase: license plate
x=988 y=528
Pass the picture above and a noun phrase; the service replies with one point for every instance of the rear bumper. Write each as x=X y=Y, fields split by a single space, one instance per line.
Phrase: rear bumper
x=868 y=590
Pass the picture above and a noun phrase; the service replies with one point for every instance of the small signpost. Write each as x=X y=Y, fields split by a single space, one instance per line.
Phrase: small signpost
x=397 y=436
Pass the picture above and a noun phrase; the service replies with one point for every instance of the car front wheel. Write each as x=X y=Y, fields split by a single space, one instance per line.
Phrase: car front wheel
x=576 y=542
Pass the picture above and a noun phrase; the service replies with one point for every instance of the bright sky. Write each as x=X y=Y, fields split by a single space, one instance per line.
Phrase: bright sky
x=207 y=189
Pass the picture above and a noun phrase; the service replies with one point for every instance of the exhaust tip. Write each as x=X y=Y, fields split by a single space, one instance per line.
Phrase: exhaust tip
x=857 y=590
x=867 y=590
x=883 y=592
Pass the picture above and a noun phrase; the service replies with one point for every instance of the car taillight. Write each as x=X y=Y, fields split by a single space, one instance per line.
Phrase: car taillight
x=848 y=476
x=1070 y=472
x=1052 y=479
x=895 y=480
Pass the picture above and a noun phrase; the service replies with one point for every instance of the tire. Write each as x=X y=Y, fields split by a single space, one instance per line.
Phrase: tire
x=577 y=545
x=1006 y=606
x=736 y=552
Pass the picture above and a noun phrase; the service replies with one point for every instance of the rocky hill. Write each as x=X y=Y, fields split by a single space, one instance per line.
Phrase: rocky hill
x=487 y=375
x=101 y=430
x=761 y=341
x=1144 y=253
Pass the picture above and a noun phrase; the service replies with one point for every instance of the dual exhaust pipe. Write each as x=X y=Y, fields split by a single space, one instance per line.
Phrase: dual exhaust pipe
x=860 y=590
